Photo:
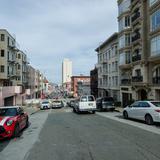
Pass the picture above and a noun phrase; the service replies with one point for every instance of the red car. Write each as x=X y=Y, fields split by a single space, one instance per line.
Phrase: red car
x=12 y=120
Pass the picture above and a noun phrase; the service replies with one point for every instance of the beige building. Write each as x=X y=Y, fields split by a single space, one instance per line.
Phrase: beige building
x=66 y=71
x=18 y=80
x=108 y=70
x=21 y=69
x=8 y=62
x=139 y=43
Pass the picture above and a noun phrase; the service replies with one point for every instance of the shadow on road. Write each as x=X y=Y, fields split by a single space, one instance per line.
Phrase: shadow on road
x=4 y=143
x=139 y=121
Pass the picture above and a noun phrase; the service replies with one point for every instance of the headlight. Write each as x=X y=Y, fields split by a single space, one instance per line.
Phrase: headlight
x=9 y=123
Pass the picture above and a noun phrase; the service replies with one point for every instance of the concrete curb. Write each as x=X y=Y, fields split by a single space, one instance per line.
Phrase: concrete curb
x=119 y=109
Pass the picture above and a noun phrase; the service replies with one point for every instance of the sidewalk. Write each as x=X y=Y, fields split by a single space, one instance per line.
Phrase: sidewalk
x=31 y=109
x=119 y=109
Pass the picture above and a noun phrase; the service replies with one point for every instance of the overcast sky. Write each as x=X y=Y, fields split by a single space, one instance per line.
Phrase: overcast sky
x=51 y=30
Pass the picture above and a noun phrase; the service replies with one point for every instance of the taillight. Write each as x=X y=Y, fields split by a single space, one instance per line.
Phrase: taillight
x=157 y=110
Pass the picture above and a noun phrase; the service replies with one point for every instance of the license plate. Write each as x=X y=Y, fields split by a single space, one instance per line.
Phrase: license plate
x=90 y=104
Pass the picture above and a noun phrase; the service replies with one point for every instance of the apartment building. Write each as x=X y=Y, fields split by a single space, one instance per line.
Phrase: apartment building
x=154 y=48
x=10 y=93
x=21 y=69
x=8 y=62
x=108 y=70
x=18 y=80
x=139 y=49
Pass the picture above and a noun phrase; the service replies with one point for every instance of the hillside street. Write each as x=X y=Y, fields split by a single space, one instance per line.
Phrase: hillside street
x=62 y=134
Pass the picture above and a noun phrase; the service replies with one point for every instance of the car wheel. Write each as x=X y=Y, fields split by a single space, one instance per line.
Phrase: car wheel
x=125 y=114
x=93 y=112
x=16 y=131
x=74 y=110
x=27 y=123
x=149 y=120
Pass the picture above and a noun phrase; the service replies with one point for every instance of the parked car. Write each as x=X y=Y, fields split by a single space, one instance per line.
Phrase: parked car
x=71 y=103
x=57 y=104
x=45 y=104
x=12 y=120
x=105 y=103
x=148 y=111
x=85 y=103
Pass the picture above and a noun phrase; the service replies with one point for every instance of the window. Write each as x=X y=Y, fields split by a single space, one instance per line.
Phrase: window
x=84 y=99
x=157 y=104
x=138 y=72
x=19 y=66
x=135 y=104
x=155 y=46
x=2 y=53
x=151 y=2
x=144 y=104
x=19 y=56
x=155 y=20
x=2 y=69
x=2 y=37
x=124 y=6
x=90 y=98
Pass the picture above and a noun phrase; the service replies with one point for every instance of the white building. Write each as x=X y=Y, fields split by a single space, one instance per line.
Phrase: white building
x=66 y=71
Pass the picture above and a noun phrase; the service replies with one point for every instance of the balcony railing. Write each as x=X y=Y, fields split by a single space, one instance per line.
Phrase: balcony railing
x=125 y=81
x=156 y=80
x=136 y=16
x=137 y=79
x=136 y=37
x=136 y=58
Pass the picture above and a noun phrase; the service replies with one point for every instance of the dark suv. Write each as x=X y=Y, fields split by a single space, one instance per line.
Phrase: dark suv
x=105 y=103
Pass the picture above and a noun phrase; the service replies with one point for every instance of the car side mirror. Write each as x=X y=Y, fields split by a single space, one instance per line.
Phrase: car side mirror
x=130 y=106
x=22 y=114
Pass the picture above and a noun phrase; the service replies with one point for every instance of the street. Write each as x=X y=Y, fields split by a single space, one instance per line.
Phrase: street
x=61 y=134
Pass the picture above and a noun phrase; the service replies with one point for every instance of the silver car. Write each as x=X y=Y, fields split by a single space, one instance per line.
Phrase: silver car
x=148 y=111
x=45 y=104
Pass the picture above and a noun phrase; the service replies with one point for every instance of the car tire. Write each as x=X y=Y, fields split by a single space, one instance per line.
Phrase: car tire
x=74 y=110
x=125 y=115
x=16 y=131
x=149 y=119
x=27 y=123
x=93 y=112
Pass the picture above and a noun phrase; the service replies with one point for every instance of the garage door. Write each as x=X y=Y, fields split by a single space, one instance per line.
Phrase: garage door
x=8 y=101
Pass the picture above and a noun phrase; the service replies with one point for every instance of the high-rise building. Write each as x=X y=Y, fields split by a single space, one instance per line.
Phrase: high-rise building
x=66 y=71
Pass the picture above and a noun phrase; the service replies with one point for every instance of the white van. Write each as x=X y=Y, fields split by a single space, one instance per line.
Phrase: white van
x=85 y=103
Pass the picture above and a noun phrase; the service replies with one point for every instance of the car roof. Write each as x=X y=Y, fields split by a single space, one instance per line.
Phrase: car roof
x=5 y=107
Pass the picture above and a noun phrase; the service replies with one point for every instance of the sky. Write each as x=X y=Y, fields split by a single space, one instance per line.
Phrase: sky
x=50 y=30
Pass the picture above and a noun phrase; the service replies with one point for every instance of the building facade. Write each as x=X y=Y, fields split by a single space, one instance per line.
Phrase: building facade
x=18 y=80
x=66 y=71
x=74 y=83
x=108 y=70
x=94 y=82
x=139 y=34
x=83 y=88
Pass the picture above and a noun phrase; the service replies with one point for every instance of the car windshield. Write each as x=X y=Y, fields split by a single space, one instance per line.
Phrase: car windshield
x=46 y=102
x=56 y=101
x=157 y=104
x=8 y=112
x=108 y=99
x=90 y=98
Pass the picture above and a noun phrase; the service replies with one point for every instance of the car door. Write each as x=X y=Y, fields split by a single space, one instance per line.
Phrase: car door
x=133 y=110
x=98 y=102
x=22 y=121
x=143 y=109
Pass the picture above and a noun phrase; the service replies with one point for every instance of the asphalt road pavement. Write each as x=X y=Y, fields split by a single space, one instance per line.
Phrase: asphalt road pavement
x=61 y=134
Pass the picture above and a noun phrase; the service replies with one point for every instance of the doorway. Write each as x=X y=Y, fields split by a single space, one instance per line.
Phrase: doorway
x=142 y=95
